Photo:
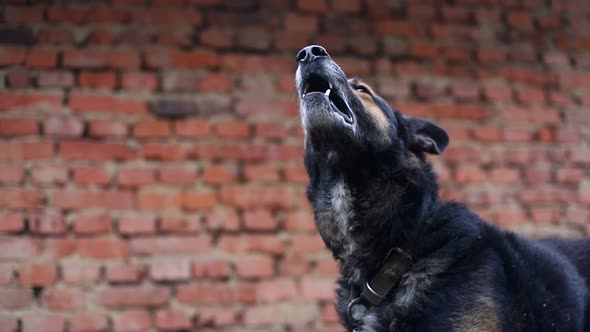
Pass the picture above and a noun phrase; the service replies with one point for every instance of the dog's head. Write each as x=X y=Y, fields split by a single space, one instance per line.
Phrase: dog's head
x=346 y=117
x=366 y=161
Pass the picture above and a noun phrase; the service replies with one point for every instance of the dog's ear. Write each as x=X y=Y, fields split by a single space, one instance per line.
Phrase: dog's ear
x=427 y=137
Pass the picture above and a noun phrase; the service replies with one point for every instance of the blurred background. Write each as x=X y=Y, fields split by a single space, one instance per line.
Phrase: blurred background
x=151 y=174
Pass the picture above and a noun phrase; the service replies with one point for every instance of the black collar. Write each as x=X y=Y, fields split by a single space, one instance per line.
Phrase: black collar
x=395 y=265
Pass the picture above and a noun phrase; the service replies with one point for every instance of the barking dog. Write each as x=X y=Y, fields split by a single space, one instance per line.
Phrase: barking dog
x=410 y=262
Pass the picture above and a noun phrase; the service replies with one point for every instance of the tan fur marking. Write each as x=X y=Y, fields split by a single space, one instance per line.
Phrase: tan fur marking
x=481 y=317
x=369 y=104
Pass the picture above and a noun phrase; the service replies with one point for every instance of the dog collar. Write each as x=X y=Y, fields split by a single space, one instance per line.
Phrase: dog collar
x=396 y=264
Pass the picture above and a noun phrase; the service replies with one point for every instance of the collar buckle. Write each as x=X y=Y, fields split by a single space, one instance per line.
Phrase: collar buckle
x=395 y=265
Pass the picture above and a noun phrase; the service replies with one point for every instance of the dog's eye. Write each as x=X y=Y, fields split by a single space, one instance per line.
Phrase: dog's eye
x=362 y=89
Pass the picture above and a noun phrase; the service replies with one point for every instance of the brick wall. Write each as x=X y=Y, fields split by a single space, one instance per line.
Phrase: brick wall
x=114 y=219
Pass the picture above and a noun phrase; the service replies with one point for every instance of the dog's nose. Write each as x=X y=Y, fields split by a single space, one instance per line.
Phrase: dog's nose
x=311 y=53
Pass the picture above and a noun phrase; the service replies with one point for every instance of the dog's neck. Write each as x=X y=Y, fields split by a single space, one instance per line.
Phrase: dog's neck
x=361 y=216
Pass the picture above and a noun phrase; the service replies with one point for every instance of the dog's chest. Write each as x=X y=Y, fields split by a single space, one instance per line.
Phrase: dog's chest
x=341 y=205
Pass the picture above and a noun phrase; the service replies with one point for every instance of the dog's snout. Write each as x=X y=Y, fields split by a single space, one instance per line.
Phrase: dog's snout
x=311 y=53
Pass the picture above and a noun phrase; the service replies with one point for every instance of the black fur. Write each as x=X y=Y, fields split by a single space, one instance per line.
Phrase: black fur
x=467 y=275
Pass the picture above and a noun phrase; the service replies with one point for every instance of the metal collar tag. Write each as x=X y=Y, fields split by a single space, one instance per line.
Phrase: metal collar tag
x=396 y=264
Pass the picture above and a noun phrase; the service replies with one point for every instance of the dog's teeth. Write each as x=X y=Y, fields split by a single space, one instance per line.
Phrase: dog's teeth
x=303 y=95
x=327 y=93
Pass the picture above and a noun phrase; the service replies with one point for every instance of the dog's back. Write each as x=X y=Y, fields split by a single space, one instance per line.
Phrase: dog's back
x=576 y=251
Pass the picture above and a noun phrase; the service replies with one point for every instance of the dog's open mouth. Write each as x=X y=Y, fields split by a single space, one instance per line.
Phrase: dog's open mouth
x=317 y=84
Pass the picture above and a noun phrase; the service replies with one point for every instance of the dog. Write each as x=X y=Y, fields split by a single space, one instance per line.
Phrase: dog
x=409 y=261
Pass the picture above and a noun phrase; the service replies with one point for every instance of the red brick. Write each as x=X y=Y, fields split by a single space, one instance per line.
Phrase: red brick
x=48 y=174
x=103 y=248
x=139 y=81
x=313 y=288
x=255 y=197
x=217 y=38
x=63 y=298
x=132 y=321
x=311 y=6
x=276 y=290
x=107 y=128
x=165 y=151
x=91 y=175
x=173 y=320
x=259 y=243
x=469 y=175
x=123 y=273
x=136 y=177
x=47 y=223
x=491 y=55
x=232 y=129
x=95 y=151
x=212 y=269
x=88 y=322
x=180 y=224
x=197 y=200
x=18 y=127
x=52 y=35
x=304 y=243
x=137 y=224
x=220 y=316
x=207 y=293
x=31 y=100
x=23 y=15
x=63 y=127
x=12 y=56
x=170 y=270
x=18 y=198
x=170 y=245
x=8 y=323
x=255 y=267
x=195 y=59
x=83 y=102
x=11 y=174
x=219 y=174
x=46 y=322
x=516 y=135
x=260 y=220
x=67 y=14
x=299 y=221
x=545 y=215
x=177 y=176
x=226 y=220
x=18 y=79
x=192 y=128
x=570 y=176
x=261 y=173
x=538 y=175
x=158 y=199
x=55 y=79
x=97 y=80
x=41 y=58
x=37 y=274
x=304 y=24
x=216 y=82
x=399 y=28
x=505 y=176
x=261 y=315
x=327 y=266
x=424 y=50
x=85 y=273
x=11 y=222
x=519 y=20
x=134 y=296
x=152 y=129
x=12 y=298
x=92 y=223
